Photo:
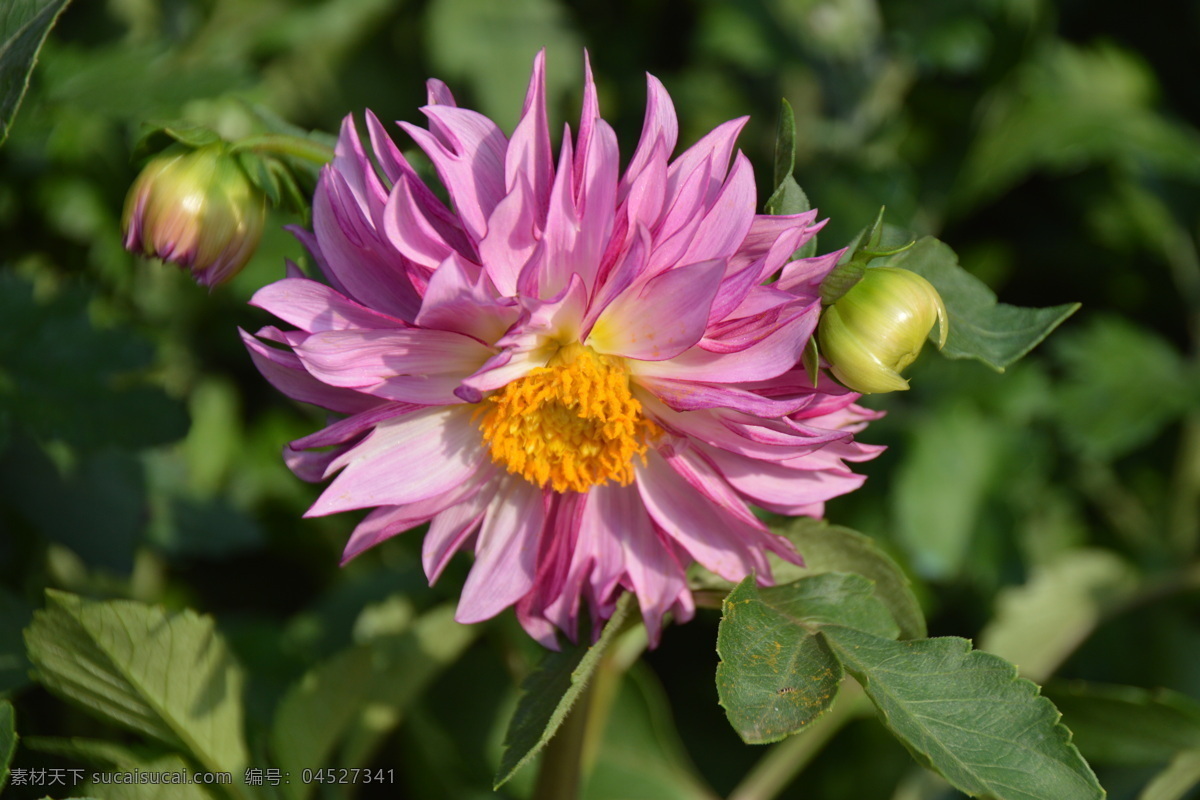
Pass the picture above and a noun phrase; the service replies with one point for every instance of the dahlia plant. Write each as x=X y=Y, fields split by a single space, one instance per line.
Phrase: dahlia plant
x=584 y=376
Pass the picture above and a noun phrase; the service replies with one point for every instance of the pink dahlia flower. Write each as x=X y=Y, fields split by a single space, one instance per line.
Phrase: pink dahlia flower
x=575 y=373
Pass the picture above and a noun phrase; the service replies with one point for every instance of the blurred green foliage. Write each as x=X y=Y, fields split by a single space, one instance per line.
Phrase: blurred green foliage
x=1052 y=512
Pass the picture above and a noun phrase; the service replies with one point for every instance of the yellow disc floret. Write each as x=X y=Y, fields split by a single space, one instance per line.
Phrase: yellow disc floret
x=571 y=425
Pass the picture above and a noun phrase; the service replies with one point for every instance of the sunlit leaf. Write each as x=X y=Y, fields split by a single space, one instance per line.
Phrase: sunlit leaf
x=967 y=715
x=549 y=691
x=777 y=673
x=24 y=25
x=833 y=548
x=166 y=675
x=980 y=327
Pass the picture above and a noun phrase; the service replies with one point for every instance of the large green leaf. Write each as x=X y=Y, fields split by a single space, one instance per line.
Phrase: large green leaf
x=363 y=690
x=833 y=548
x=166 y=675
x=980 y=327
x=777 y=673
x=966 y=714
x=1127 y=724
x=24 y=25
x=548 y=693
x=8 y=739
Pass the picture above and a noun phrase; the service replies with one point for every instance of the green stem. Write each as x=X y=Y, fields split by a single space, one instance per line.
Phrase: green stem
x=560 y=771
x=785 y=760
x=569 y=756
x=282 y=144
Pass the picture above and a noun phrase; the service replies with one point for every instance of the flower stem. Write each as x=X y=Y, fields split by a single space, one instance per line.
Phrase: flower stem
x=785 y=760
x=282 y=144
x=560 y=772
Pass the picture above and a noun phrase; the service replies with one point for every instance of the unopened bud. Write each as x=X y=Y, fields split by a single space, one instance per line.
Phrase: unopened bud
x=878 y=327
x=198 y=210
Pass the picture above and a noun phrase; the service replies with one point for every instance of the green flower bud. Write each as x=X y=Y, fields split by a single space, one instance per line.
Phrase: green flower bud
x=878 y=327
x=196 y=209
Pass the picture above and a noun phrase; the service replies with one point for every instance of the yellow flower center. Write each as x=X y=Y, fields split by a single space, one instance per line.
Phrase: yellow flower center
x=572 y=424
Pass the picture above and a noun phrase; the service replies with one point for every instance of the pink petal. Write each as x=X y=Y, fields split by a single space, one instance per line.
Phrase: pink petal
x=529 y=157
x=468 y=150
x=661 y=318
x=616 y=514
x=709 y=533
x=728 y=219
x=455 y=301
x=660 y=130
x=505 y=553
x=285 y=372
x=404 y=460
x=312 y=307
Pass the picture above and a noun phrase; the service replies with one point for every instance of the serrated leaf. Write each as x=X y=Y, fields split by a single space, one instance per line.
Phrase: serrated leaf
x=980 y=327
x=166 y=675
x=1174 y=782
x=364 y=690
x=1037 y=625
x=24 y=25
x=833 y=548
x=8 y=739
x=548 y=693
x=966 y=714
x=1127 y=724
x=777 y=673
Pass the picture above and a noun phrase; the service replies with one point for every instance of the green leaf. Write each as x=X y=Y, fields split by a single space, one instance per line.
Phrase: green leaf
x=777 y=673
x=548 y=693
x=981 y=328
x=1037 y=625
x=1174 y=782
x=1127 y=724
x=967 y=715
x=8 y=739
x=24 y=25
x=170 y=764
x=788 y=197
x=364 y=691
x=833 y=548
x=166 y=675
